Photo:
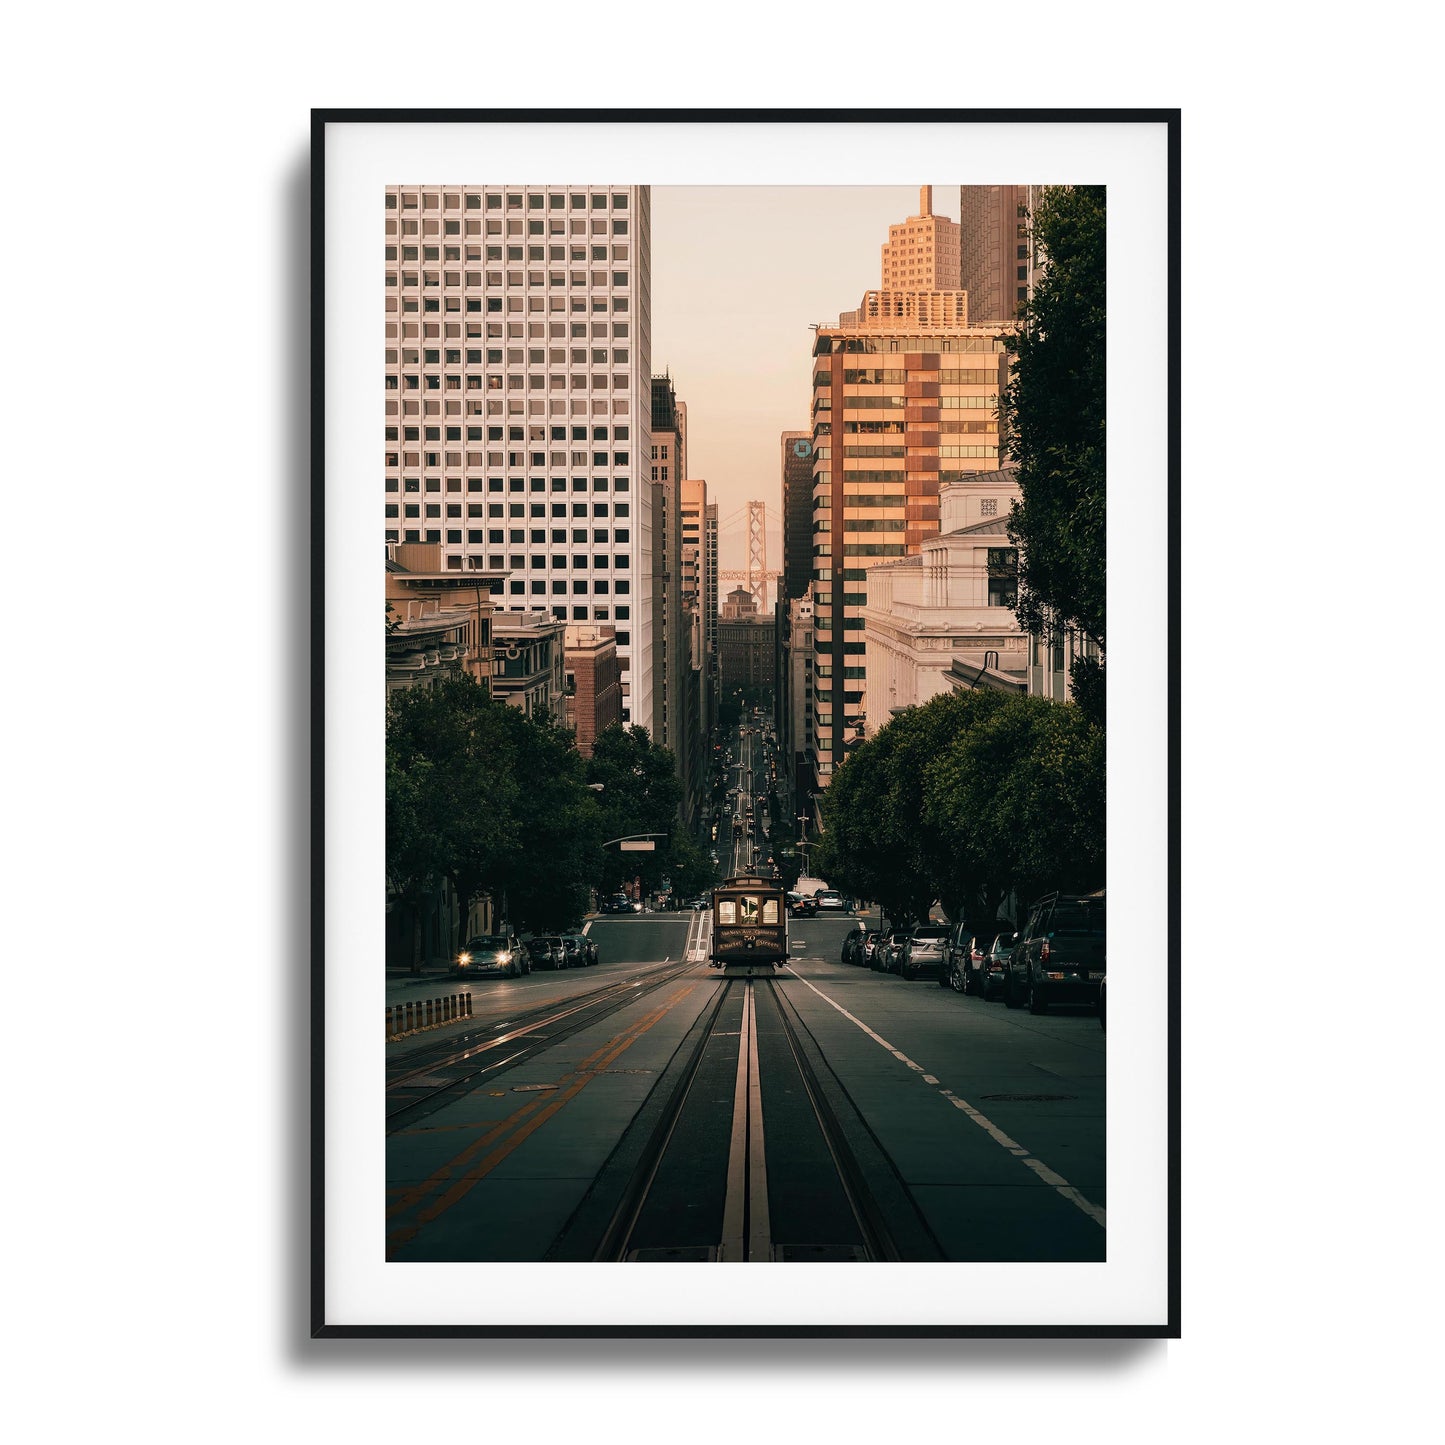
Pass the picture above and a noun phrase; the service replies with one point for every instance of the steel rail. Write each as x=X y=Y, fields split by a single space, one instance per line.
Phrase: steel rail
x=598 y=1007
x=440 y=1053
x=869 y=1217
x=617 y=1237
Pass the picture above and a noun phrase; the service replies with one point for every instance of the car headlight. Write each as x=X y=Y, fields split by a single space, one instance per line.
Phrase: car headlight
x=464 y=958
x=504 y=958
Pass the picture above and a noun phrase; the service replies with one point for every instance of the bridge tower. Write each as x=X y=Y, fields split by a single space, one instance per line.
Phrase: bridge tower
x=757 y=578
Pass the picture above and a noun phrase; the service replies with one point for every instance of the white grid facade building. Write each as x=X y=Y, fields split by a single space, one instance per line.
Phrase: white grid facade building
x=518 y=398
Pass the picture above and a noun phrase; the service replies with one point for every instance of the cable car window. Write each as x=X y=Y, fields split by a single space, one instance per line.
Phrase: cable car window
x=750 y=907
x=726 y=911
x=770 y=911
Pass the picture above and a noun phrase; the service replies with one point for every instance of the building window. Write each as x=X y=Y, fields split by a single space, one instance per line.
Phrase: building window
x=1002 y=576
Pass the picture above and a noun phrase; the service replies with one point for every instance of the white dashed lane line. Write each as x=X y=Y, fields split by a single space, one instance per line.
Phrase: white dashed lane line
x=1047 y=1175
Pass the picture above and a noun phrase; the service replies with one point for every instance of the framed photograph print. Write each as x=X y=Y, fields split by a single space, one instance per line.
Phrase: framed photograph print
x=744 y=677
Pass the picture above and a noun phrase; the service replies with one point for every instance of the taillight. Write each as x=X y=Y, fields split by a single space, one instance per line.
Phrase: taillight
x=1044 y=951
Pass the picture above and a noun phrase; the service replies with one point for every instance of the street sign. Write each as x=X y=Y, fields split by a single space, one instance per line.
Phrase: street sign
x=640 y=845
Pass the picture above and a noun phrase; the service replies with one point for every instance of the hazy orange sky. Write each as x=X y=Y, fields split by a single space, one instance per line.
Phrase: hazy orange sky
x=738 y=274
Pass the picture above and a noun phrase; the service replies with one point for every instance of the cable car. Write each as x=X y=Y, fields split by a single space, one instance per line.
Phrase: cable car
x=749 y=922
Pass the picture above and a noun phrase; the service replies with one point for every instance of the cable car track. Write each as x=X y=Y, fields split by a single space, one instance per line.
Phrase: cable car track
x=754 y=1153
x=419 y=1091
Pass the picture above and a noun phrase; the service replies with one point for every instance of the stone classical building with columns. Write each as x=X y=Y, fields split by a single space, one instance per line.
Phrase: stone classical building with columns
x=944 y=619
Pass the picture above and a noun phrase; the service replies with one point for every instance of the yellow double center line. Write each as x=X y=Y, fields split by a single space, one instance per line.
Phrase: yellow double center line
x=513 y=1131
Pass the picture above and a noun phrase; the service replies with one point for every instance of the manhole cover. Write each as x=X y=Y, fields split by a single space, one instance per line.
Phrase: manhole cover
x=1026 y=1098
x=629 y=1071
x=693 y=1254
x=531 y=1088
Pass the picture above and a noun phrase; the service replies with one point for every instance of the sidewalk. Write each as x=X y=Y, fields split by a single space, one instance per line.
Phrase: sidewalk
x=431 y=972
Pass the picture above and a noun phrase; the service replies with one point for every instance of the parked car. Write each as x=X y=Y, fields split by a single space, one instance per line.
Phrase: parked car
x=924 y=951
x=617 y=903
x=584 y=944
x=830 y=900
x=805 y=907
x=890 y=950
x=547 y=952
x=965 y=954
x=1059 y=958
x=575 y=954
x=853 y=946
x=994 y=973
x=868 y=947
x=492 y=953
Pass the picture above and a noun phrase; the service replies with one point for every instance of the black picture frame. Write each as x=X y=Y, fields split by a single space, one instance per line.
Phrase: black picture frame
x=322 y=1325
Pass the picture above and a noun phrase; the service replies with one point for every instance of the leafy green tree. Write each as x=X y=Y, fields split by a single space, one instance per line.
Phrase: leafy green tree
x=492 y=800
x=640 y=794
x=971 y=797
x=1053 y=806
x=415 y=862
x=846 y=853
x=547 y=878
x=877 y=841
x=452 y=789
x=1087 y=679
x=1018 y=801
x=1052 y=411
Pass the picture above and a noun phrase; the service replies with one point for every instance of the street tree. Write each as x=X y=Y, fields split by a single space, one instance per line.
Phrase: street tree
x=1019 y=800
x=876 y=841
x=847 y=853
x=415 y=861
x=452 y=789
x=640 y=792
x=547 y=878
x=1052 y=412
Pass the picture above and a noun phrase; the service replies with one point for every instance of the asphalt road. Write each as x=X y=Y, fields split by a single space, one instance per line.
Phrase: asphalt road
x=992 y=1120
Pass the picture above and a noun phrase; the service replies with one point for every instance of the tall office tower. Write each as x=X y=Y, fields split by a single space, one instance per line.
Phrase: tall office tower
x=797 y=513
x=696 y=589
x=668 y=460
x=905 y=397
x=921 y=253
x=996 y=253
x=518 y=398
x=794 y=706
x=710 y=579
